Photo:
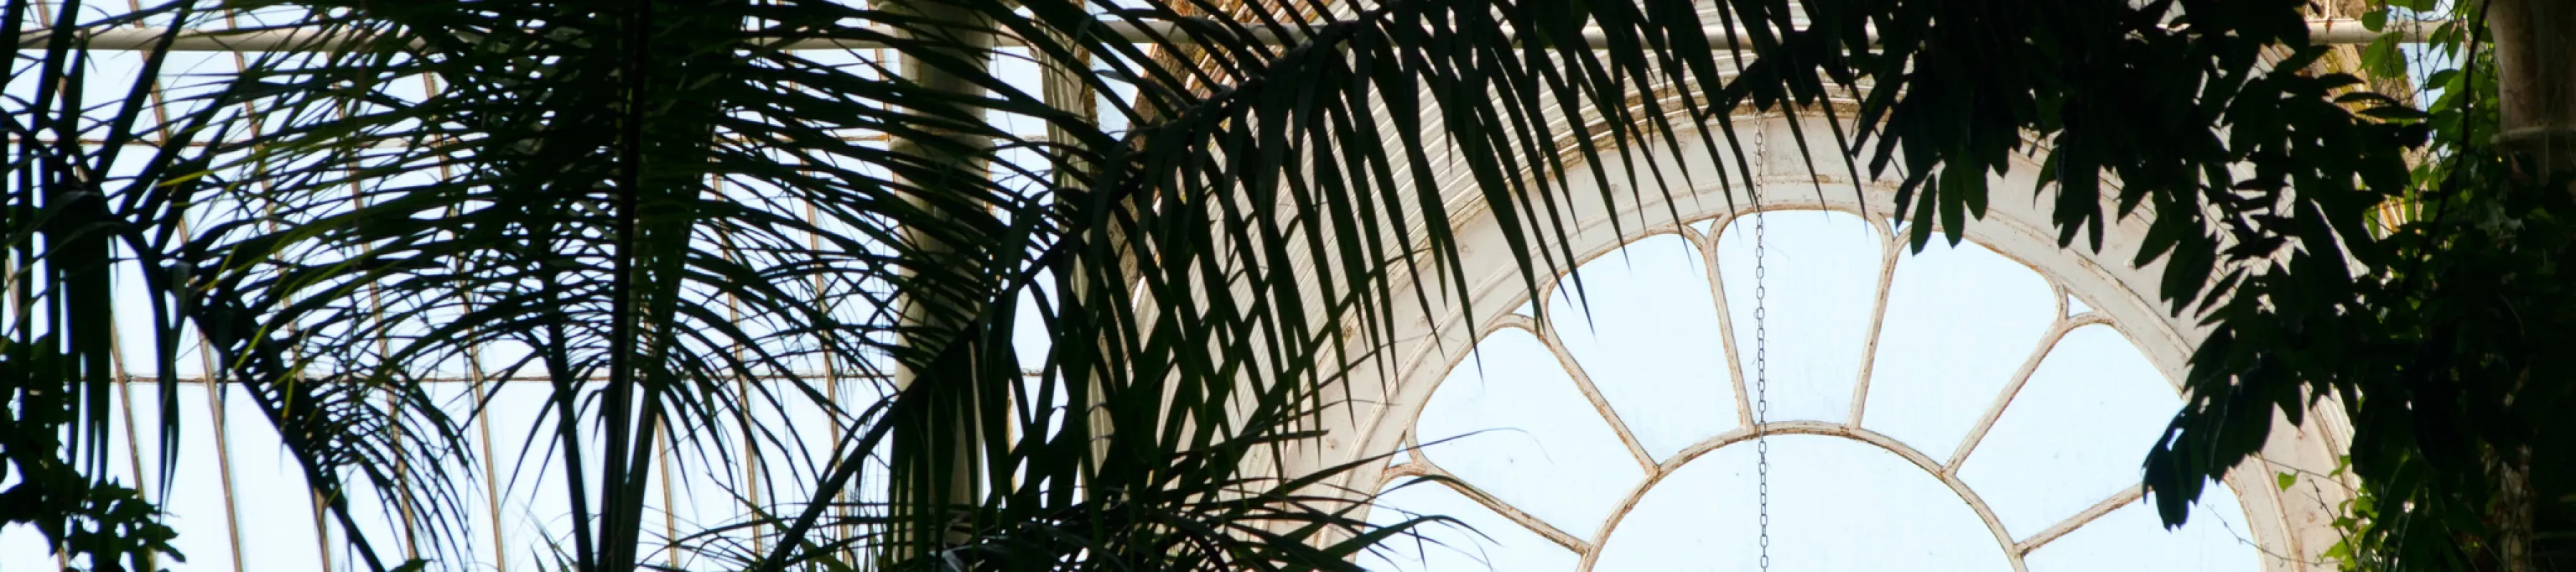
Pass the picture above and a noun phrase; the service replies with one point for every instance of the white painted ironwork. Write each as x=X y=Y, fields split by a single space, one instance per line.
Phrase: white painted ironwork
x=2282 y=526
x=1944 y=469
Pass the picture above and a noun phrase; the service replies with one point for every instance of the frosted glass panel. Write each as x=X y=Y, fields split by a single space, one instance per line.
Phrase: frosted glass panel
x=1645 y=329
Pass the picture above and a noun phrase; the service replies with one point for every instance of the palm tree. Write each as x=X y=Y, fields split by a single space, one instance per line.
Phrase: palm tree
x=688 y=220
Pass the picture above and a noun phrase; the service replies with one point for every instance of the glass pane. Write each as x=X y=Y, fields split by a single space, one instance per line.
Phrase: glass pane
x=277 y=517
x=472 y=490
x=710 y=490
x=2131 y=539
x=1822 y=280
x=1645 y=328
x=1960 y=321
x=196 y=498
x=2074 y=435
x=1517 y=427
x=528 y=458
x=1836 y=504
x=1477 y=540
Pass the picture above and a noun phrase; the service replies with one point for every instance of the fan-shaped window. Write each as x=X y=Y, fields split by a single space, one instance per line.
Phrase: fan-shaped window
x=1952 y=409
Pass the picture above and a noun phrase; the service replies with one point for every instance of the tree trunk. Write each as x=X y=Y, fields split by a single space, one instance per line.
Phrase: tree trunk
x=2535 y=54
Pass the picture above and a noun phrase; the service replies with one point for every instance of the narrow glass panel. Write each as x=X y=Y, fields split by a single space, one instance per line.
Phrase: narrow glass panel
x=800 y=442
x=536 y=511
x=1823 y=286
x=1645 y=329
x=1517 y=427
x=472 y=492
x=195 y=492
x=137 y=450
x=1836 y=504
x=1960 y=321
x=709 y=489
x=380 y=519
x=137 y=349
x=2074 y=434
x=277 y=518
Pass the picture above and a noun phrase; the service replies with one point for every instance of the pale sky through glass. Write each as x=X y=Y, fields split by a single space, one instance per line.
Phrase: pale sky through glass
x=1961 y=327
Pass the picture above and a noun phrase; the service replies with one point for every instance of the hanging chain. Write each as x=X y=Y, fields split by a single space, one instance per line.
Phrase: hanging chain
x=1761 y=390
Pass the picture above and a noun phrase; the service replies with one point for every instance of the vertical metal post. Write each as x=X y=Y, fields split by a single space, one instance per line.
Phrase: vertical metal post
x=483 y=445
x=2535 y=58
x=1066 y=88
x=223 y=449
x=670 y=522
x=959 y=161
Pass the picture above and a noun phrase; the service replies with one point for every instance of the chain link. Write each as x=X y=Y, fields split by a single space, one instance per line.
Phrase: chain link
x=1761 y=388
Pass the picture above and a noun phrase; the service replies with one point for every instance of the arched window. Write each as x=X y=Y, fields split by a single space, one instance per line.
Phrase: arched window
x=1978 y=406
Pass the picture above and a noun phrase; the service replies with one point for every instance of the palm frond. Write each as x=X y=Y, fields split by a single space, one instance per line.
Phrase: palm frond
x=682 y=228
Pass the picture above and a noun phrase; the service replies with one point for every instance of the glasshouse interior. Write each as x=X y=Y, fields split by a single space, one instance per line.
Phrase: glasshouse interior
x=1405 y=285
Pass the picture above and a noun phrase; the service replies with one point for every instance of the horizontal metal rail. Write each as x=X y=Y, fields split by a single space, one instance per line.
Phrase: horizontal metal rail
x=290 y=40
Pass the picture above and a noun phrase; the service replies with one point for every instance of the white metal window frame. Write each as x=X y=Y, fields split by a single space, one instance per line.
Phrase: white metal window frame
x=2290 y=526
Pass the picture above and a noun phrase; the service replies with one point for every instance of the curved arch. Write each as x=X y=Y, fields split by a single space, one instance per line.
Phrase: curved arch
x=1436 y=339
x=1804 y=427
